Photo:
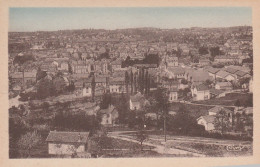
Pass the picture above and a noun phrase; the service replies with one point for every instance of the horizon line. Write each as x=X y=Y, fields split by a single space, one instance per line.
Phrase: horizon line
x=130 y=28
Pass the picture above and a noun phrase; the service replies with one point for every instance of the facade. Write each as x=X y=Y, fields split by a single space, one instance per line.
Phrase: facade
x=200 y=92
x=67 y=143
x=136 y=101
x=207 y=121
x=223 y=86
x=173 y=95
x=109 y=116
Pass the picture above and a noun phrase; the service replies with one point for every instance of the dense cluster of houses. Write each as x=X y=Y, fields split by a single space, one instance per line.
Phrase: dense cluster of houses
x=80 y=58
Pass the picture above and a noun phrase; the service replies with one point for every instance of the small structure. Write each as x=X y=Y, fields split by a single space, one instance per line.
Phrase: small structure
x=207 y=121
x=223 y=86
x=67 y=143
x=200 y=92
x=108 y=116
x=136 y=101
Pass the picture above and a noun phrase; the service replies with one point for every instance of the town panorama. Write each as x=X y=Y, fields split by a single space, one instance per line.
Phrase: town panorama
x=137 y=92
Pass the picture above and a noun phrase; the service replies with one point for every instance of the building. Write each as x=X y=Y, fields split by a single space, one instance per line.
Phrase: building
x=117 y=85
x=173 y=94
x=200 y=92
x=172 y=61
x=223 y=86
x=136 y=101
x=226 y=76
x=207 y=121
x=212 y=71
x=67 y=143
x=109 y=116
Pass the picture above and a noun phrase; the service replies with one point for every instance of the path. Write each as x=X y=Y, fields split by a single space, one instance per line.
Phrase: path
x=159 y=148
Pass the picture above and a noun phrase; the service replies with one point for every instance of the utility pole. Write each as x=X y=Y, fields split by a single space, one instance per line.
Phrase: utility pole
x=164 y=122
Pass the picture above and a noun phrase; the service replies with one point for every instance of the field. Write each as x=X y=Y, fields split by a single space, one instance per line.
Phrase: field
x=229 y=100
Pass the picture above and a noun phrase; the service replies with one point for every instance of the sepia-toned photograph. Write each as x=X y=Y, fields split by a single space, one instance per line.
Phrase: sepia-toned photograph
x=130 y=82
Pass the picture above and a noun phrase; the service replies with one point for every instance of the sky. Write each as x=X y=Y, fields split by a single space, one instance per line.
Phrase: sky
x=52 y=19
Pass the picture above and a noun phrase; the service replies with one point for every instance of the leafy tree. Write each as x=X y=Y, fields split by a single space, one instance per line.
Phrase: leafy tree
x=29 y=141
x=126 y=81
x=131 y=81
x=40 y=74
x=203 y=50
x=141 y=136
x=93 y=87
x=45 y=88
x=182 y=121
x=237 y=103
x=222 y=122
x=106 y=101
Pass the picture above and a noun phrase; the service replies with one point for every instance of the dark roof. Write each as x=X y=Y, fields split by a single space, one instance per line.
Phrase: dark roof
x=68 y=137
x=212 y=70
x=230 y=70
x=137 y=98
x=217 y=109
x=202 y=87
x=240 y=73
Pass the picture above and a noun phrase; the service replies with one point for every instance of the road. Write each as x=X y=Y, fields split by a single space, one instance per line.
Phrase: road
x=159 y=148
x=157 y=141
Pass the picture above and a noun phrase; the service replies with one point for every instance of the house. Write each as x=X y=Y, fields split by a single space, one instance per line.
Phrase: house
x=67 y=143
x=207 y=121
x=136 y=101
x=223 y=75
x=87 y=91
x=176 y=72
x=242 y=74
x=23 y=77
x=173 y=94
x=204 y=61
x=217 y=93
x=172 y=61
x=116 y=64
x=217 y=109
x=117 y=85
x=108 y=116
x=212 y=71
x=198 y=76
x=200 y=92
x=223 y=86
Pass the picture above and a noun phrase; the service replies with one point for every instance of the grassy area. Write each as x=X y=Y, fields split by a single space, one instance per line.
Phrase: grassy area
x=194 y=110
x=210 y=149
x=112 y=143
x=228 y=100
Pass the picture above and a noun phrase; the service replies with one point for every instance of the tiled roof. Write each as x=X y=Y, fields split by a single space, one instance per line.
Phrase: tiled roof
x=208 y=118
x=68 y=137
x=217 y=109
x=223 y=74
x=137 y=98
x=202 y=87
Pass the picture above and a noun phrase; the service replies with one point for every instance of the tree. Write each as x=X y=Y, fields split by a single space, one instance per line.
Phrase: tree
x=141 y=136
x=126 y=81
x=45 y=107
x=93 y=87
x=29 y=141
x=40 y=74
x=222 y=122
x=182 y=121
x=45 y=88
x=131 y=81
x=106 y=101
x=237 y=103
x=161 y=104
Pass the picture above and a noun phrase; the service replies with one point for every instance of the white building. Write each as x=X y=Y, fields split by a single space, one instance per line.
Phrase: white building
x=67 y=143
x=200 y=92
